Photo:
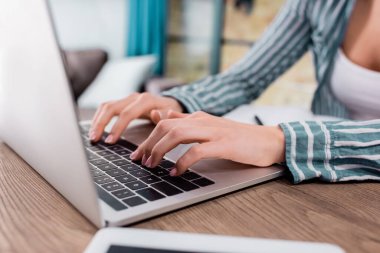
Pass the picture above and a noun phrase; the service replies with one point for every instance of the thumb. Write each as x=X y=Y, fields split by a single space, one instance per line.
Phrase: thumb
x=157 y=115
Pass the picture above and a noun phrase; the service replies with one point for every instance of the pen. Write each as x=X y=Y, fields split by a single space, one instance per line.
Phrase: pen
x=258 y=120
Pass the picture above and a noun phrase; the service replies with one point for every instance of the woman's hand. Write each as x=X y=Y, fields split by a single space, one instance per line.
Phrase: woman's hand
x=135 y=106
x=217 y=138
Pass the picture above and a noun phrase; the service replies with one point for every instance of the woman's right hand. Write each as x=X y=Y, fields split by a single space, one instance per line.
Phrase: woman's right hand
x=137 y=105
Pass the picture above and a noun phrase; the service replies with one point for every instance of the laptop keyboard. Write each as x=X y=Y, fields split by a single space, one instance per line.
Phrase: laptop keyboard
x=123 y=183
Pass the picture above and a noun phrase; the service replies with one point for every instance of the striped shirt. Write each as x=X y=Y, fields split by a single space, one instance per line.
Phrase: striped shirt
x=331 y=151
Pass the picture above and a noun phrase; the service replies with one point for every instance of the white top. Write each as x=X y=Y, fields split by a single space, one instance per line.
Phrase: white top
x=357 y=88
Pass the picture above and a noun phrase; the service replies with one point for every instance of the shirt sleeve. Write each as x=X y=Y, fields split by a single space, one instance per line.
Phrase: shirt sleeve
x=282 y=44
x=333 y=151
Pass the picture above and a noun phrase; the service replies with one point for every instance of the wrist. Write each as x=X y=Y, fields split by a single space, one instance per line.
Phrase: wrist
x=279 y=144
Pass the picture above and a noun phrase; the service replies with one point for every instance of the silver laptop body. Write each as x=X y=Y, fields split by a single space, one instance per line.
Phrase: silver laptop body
x=38 y=120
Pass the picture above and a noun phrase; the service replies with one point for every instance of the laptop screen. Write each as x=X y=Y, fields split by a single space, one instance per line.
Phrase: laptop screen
x=129 y=249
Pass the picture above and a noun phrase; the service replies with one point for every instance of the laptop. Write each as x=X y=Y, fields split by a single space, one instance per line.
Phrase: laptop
x=38 y=120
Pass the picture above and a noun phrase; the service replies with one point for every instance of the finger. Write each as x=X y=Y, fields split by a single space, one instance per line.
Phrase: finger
x=118 y=103
x=94 y=119
x=157 y=115
x=162 y=128
x=157 y=133
x=170 y=114
x=131 y=112
x=117 y=106
x=179 y=135
x=106 y=113
x=195 y=154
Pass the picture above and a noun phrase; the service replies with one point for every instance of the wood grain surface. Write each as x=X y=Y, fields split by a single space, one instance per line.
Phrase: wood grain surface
x=36 y=218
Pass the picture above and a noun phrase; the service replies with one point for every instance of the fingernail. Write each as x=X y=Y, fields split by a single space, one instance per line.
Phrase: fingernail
x=133 y=156
x=143 y=161
x=160 y=115
x=92 y=136
x=173 y=172
x=109 y=139
x=149 y=162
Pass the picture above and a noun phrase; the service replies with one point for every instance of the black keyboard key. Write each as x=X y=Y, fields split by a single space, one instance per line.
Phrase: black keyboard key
x=92 y=156
x=107 y=166
x=150 y=179
x=166 y=188
x=134 y=201
x=98 y=162
x=203 y=182
x=159 y=172
x=126 y=144
x=135 y=185
x=97 y=173
x=102 y=143
x=138 y=162
x=104 y=153
x=112 y=157
x=109 y=199
x=115 y=172
x=95 y=148
x=130 y=167
x=123 y=193
x=150 y=169
x=104 y=179
x=139 y=173
x=190 y=175
x=112 y=186
x=115 y=148
x=150 y=194
x=123 y=152
x=166 y=164
x=180 y=183
x=120 y=162
x=125 y=178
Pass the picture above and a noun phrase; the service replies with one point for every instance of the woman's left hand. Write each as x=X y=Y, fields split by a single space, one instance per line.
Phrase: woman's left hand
x=216 y=137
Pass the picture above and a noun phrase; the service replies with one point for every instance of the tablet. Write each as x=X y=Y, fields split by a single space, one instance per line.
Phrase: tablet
x=129 y=240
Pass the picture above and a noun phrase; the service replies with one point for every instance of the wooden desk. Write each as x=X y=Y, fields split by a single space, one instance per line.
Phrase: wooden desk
x=36 y=218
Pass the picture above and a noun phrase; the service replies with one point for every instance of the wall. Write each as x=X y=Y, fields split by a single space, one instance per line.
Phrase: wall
x=92 y=23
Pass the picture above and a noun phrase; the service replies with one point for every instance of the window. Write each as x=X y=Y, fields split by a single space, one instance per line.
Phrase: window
x=190 y=35
x=208 y=36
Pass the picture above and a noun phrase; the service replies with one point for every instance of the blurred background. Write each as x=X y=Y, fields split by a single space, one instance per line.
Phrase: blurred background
x=115 y=47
